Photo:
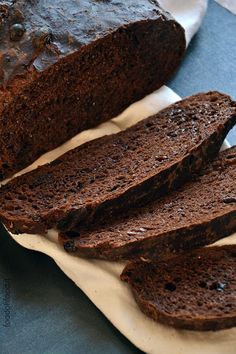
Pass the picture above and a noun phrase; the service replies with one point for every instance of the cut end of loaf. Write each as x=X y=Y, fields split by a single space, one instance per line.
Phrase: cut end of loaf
x=50 y=76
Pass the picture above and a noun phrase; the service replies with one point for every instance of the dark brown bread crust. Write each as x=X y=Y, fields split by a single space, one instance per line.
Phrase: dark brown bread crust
x=199 y=213
x=120 y=170
x=194 y=291
x=66 y=66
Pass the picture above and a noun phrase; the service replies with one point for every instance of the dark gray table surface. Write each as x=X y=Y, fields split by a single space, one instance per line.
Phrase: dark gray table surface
x=48 y=313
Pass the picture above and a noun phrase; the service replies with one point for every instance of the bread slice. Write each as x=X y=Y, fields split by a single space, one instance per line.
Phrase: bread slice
x=194 y=291
x=116 y=172
x=66 y=66
x=199 y=213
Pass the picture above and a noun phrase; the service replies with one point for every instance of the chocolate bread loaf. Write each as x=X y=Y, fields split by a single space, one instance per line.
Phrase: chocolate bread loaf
x=121 y=170
x=66 y=66
x=199 y=213
x=194 y=291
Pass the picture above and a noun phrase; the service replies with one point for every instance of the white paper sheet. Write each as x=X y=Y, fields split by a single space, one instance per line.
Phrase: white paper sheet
x=100 y=280
x=187 y=12
x=228 y=4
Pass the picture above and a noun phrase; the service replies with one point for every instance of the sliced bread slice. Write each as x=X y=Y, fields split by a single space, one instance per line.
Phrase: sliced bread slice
x=199 y=213
x=194 y=291
x=115 y=172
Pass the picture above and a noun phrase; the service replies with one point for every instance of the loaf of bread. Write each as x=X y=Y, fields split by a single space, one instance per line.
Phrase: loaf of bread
x=199 y=213
x=66 y=66
x=194 y=291
x=114 y=173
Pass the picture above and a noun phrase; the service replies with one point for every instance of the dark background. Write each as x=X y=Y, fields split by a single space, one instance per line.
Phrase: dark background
x=49 y=314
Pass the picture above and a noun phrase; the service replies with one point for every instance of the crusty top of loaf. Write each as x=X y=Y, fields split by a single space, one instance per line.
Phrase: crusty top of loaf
x=37 y=34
